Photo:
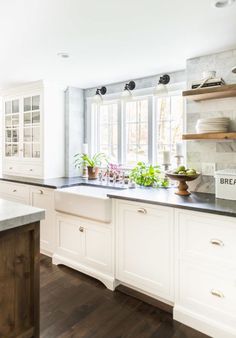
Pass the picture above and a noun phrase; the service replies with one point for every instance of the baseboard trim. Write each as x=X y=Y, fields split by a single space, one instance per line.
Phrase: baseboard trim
x=46 y=252
x=202 y=324
x=107 y=280
x=145 y=298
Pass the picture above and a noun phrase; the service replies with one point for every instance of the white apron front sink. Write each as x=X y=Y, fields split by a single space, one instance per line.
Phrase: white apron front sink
x=85 y=201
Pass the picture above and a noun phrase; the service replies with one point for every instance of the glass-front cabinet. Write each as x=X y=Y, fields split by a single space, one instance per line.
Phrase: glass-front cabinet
x=23 y=128
x=12 y=128
x=33 y=130
x=31 y=127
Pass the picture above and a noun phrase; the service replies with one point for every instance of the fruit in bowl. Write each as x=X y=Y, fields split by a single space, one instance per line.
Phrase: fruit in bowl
x=181 y=170
x=183 y=175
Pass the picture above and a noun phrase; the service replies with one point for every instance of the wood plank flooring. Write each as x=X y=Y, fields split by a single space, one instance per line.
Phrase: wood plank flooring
x=74 y=305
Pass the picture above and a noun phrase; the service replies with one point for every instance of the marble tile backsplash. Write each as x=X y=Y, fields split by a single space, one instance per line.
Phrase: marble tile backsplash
x=220 y=154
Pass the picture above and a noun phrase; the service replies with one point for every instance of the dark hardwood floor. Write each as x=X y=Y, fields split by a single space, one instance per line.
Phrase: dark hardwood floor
x=74 y=305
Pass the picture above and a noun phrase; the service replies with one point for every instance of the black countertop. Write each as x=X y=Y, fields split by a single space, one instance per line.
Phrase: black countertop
x=53 y=183
x=166 y=197
x=196 y=201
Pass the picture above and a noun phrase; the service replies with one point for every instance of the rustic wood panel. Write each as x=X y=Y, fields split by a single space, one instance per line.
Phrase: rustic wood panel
x=19 y=282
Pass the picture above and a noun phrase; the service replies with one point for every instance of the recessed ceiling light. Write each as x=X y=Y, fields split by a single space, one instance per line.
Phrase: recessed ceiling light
x=63 y=55
x=223 y=3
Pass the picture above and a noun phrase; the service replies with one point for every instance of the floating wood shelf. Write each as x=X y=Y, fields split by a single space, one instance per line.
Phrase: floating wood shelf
x=210 y=136
x=210 y=93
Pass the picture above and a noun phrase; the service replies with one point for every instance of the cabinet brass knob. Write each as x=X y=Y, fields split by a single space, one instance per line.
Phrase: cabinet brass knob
x=142 y=211
x=217 y=293
x=81 y=229
x=217 y=242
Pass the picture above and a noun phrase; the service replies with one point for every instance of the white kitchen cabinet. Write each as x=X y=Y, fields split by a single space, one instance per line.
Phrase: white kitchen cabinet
x=206 y=238
x=68 y=238
x=205 y=262
x=37 y=197
x=33 y=129
x=144 y=255
x=97 y=246
x=85 y=246
x=44 y=198
x=15 y=192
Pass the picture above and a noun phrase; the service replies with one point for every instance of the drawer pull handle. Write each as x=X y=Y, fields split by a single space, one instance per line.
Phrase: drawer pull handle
x=217 y=242
x=142 y=211
x=14 y=190
x=81 y=229
x=41 y=192
x=10 y=168
x=31 y=169
x=217 y=293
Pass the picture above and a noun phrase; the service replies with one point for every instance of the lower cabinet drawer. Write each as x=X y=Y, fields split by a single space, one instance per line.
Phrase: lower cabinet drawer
x=10 y=168
x=14 y=191
x=23 y=169
x=31 y=170
x=209 y=293
x=207 y=237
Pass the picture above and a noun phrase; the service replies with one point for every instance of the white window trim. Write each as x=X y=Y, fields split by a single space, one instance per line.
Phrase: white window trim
x=91 y=123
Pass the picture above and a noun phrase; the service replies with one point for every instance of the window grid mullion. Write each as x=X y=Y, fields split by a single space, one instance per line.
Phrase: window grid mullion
x=150 y=131
x=123 y=132
x=97 y=146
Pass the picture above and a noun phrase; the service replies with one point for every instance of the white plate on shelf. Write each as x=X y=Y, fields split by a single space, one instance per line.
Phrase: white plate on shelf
x=214 y=120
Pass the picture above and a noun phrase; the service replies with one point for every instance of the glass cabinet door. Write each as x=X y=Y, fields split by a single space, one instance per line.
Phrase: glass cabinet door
x=12 y=128
x=31 y=127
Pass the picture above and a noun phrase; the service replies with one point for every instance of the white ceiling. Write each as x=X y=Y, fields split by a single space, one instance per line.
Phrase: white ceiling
x=108 y=40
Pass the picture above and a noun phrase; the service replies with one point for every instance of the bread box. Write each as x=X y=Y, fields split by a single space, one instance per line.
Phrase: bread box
x=226 y=184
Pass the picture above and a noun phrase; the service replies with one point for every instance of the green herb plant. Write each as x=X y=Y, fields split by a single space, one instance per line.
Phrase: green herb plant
x=94 y=161
x=147 y=175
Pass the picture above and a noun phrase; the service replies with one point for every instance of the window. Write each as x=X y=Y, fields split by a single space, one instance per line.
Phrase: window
x=168 y=125
x=136 y=130
x=106 y=129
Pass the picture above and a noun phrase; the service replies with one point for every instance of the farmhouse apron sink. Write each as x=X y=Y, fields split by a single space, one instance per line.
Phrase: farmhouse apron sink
x=85 y=201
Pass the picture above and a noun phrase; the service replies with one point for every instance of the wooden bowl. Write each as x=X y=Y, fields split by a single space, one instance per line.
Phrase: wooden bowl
x=182 y=179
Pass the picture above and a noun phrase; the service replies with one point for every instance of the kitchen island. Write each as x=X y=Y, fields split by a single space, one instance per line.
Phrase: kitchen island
x=19 y=269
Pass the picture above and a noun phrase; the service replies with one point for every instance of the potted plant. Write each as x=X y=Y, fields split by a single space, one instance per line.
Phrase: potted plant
x=92 y=163
x=147 y=175
x=113 y=170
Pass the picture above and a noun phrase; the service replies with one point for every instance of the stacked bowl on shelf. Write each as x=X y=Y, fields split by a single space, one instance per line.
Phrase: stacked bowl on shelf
x=213 y=125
